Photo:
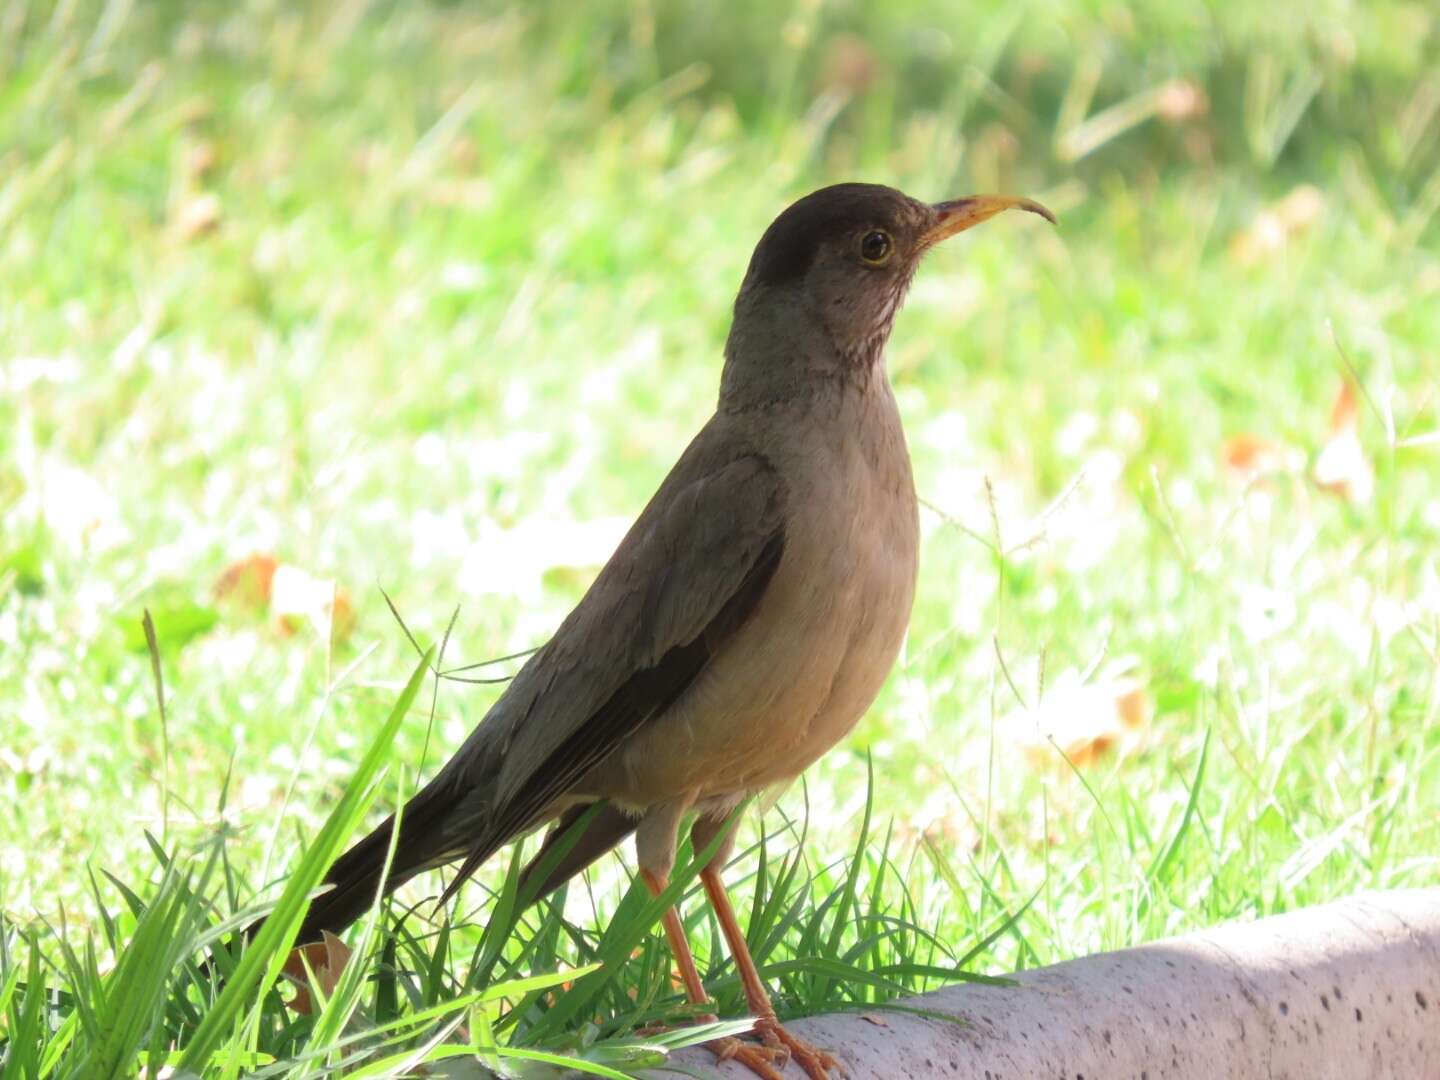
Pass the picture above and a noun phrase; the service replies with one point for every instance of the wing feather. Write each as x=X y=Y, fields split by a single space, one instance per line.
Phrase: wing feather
x=688 y=574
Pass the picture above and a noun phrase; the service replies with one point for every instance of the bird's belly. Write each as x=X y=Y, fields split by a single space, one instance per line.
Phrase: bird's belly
x=793 y=681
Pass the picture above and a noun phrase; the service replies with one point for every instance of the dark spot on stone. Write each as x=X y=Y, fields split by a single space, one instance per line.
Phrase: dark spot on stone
x=1358 y=1016
x=1325 y=1000
x=1420 y=1000
x=1284 y=1008
x=1107 y=1037
x=1336 y=991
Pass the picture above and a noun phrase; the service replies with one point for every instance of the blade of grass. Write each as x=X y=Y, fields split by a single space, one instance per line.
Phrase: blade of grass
x=262 y=961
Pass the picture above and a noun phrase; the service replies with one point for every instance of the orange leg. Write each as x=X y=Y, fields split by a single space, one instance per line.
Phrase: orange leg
x=758 y=1059
x=679 y=944
x=816 y=1062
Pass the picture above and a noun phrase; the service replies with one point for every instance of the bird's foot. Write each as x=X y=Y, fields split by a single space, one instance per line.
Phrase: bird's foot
x=776 y=1049
x=818 y=1064
x=764 y=1061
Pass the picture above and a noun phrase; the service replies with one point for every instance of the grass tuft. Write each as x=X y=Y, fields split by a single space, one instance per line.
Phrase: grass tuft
x=302 y=300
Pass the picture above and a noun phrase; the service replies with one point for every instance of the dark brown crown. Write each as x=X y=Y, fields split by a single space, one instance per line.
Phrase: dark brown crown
x=790 y=244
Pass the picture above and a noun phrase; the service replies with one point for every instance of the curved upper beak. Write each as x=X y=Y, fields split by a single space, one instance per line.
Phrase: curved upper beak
x=957 y=215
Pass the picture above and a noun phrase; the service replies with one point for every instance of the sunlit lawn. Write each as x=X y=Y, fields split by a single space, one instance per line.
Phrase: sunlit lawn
x=429 y=299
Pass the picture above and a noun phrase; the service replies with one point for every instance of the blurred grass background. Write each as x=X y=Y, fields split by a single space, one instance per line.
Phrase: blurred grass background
x=429 y=296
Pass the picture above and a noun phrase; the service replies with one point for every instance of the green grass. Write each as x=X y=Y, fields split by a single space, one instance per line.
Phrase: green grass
x=463 y=299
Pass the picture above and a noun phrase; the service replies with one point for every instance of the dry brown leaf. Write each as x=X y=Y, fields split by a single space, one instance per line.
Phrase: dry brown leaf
x=1181 y=99
x=327 y=959
x=1274 y=227
x=196 y=216
x=1252 y=456
x=1342 y=467
x=262 y=582
x=1345 y=409
x=297 y=597
x=342 y=616
x=1086 y=721
x=1134 y=708
x=248 y=581
x=198 y=161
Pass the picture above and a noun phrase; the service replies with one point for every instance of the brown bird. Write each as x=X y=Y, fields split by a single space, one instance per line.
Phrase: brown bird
x=744 y=624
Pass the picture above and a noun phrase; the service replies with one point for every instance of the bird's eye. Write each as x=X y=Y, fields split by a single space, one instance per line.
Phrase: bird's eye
x=876 y=246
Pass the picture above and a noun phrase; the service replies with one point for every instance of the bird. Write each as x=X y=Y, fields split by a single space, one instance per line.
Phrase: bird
x=742 y=627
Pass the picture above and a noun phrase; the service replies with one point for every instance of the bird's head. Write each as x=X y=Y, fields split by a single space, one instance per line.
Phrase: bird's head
x=831 y=271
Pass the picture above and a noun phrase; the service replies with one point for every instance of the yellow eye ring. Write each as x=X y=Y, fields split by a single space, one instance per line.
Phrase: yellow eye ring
x=876 y=247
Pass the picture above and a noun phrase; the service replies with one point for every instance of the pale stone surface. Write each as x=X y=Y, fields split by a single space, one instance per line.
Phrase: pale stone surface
x=1346 y=991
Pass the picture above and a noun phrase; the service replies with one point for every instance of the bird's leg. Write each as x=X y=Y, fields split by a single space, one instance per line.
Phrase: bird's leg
x=816 y=1062
x=758 y=1059
x=679 y=946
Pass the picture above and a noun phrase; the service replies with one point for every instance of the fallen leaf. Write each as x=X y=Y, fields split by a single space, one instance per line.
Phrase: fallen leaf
x=294 y=597
x=1133 y=708
x=1085 y=720
x=249 y=581
x=198 y=161
x=1252 y=456
x=1273 y=228
x=196 y=216
x=342 y=615
x=327 y=959
x=1345 y=410
x=1342 y=467
x=1181 y=99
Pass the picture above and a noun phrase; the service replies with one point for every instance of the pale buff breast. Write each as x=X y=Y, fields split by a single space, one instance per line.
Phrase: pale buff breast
x=813 y=656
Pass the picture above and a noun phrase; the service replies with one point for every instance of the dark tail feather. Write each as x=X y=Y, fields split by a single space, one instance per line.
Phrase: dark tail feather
x=422 y=845
x=356 y=874
x=426 y=841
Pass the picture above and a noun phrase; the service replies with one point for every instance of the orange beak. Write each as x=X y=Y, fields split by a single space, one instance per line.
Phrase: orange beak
x=957 y=215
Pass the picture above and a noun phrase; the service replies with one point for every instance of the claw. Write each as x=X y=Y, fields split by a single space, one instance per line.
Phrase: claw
x=817 y=1063
x=776 y=1049
x=758 y=1059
